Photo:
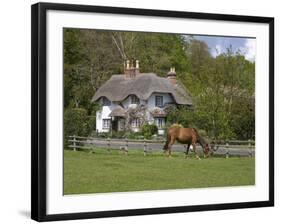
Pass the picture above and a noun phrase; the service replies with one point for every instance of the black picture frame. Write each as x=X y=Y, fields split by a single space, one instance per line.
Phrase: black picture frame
x=39 y=107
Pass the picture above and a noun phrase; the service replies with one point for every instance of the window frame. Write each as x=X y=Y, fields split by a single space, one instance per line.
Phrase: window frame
x=103 y=123
x=162 y=100
x=135 y=99
x=135 y=123
x=163 y=122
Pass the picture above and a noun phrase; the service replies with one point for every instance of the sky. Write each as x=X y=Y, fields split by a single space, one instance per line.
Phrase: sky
x=218 y=45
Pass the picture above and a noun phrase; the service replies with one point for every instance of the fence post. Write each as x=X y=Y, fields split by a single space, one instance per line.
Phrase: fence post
x=250 y=148
x=144 y=147
x=92 y=146
x=108 y=144
x=74 y=143
x=227 y=150
x=127 y=146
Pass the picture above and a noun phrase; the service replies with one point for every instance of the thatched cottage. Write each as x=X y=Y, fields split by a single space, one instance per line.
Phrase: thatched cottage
x=131 y=99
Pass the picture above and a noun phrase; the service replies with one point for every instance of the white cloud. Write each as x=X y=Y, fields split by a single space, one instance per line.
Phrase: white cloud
x=217 y=50
x=249 y=49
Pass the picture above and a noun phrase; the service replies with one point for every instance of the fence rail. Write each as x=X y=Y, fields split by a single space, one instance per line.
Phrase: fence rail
x=226 y=148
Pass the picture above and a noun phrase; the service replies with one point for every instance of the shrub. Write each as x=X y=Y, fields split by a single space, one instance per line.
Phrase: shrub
x=92 y=125
x=104 y=135
x=76 y=122
x=133 y=135
x=118 y=134
x=148 y=130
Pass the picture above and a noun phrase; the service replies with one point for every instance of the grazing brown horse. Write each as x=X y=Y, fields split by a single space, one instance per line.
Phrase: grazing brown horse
x=188 y=136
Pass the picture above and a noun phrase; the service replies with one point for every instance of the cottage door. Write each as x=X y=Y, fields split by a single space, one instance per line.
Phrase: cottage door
x=121 y=124
x=115 y=125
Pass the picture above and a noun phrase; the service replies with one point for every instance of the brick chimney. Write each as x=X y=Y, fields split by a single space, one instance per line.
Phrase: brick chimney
x=131 y=68
x=172 y=76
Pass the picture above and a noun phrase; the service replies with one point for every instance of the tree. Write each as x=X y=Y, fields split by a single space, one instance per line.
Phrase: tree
x=216 y=84
x=199 y=54
x=222 y=87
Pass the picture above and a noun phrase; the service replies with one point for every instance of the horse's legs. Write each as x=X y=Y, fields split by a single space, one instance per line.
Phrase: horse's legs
x=166 y=146
x=172 y=141
x=187 y=150
x=195 y=150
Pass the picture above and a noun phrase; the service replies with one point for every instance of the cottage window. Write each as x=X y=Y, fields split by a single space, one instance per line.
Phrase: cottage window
x=160 y=122
x=159 y=101
x=135 y=99
x=135 y=123
x=106 y=123
x=105 y=102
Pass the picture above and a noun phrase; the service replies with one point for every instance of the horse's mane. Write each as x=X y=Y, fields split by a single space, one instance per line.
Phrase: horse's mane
x=176 y=125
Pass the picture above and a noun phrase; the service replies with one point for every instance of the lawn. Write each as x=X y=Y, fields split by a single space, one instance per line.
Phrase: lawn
x=104 y=171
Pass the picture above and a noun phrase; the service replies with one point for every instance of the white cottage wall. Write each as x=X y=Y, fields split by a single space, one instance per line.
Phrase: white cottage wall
x=103 y=113
x=99 y=121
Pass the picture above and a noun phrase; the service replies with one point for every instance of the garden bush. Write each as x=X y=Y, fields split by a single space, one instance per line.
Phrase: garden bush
x=76 y=122
x=148 y=130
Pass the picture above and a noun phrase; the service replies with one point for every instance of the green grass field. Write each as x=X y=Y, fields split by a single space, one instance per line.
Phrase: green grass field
x=101 y=172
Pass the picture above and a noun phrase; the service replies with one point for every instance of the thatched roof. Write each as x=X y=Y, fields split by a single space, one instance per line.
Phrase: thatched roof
x=118 y=88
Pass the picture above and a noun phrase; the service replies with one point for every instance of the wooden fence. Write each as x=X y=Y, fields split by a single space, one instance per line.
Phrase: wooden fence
x=226 y=148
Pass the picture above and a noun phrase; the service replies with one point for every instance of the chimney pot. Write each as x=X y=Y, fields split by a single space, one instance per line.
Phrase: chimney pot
x=132 y=68
x=172 y=75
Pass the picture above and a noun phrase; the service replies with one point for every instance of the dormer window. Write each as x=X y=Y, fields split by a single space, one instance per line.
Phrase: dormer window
x=105 y=102
x=135 y=99
x=159 y=101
